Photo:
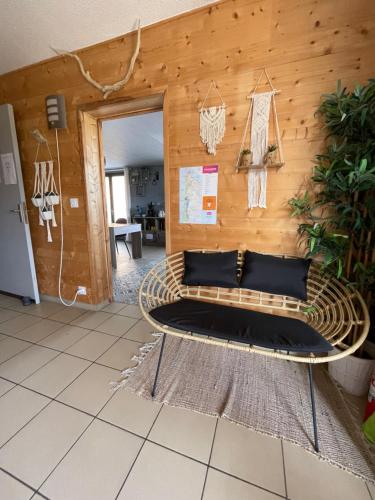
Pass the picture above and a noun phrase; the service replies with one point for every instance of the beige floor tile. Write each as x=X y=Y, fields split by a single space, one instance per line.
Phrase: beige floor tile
x=249 y=455
x=11 y=489
x=67 y=314
x=44 y=309
x=64 y=337
x=5 y=386
x=39 y=331
x=20 y=322
x=160 y=474
x=113 y=307
x=91 y=319
x=34 y=452
x=26 y=362
x=120 y=354
x=91 y=390
x=7 y=301
x=131 y=311
x=92 y=345
x=220 y=486
x=184 y=431
x=96 y=466
x=12 y=346
x=56 y=375
x=309 y=478
x=116 y=325
x=131 y=412
x=141 y=332
x=3 y=336
x=6 y=314
x=17 y=407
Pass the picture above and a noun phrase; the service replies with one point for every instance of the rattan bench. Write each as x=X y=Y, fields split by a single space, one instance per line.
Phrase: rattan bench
x=337 y=312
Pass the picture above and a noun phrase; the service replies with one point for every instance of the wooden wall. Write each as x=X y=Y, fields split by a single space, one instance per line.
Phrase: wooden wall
x=306 y=46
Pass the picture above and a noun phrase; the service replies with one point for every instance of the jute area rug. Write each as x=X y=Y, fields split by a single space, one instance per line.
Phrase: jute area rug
x=267 y=395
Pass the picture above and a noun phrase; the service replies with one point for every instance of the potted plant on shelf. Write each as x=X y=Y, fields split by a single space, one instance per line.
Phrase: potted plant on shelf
x=270 y=155
x=338 y=213
x=245 y=158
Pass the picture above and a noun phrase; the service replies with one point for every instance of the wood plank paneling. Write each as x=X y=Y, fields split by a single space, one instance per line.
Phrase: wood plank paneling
x=307 y=45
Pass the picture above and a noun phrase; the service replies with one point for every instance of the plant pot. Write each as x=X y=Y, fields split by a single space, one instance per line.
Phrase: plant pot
x=53 y=199
x=245 y=160
x=47 y=214
x=269 y=158
x=352 y=373
x=37 y=201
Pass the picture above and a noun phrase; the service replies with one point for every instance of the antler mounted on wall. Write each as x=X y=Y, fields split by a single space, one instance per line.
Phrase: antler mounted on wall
x=106 y=89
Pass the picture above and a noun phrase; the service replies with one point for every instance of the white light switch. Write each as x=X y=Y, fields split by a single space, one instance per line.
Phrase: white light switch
x=74 y=203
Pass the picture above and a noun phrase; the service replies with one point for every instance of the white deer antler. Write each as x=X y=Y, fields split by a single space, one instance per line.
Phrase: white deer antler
x=106 y=89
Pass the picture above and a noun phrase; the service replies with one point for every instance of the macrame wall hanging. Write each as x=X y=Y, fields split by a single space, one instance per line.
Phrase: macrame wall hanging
x=261 y=154
x=212 y=122
x=45 y=195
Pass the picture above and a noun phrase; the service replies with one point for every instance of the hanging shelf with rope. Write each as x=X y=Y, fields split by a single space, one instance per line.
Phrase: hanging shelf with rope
x=274 y=156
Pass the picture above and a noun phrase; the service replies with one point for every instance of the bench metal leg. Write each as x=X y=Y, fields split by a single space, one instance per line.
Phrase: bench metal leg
x=316 y=444
x=158 y=367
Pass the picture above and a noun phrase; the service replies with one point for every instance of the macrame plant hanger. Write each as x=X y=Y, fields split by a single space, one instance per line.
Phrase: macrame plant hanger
x=262 y=158
x=212 y=122
x=45 y=195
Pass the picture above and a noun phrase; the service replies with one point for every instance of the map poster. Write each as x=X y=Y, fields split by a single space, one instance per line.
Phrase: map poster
x=198 y=194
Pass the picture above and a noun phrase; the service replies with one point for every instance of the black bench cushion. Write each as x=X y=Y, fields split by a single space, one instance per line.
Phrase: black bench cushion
x=271 y=274
x=241 y=325
x=211 y=269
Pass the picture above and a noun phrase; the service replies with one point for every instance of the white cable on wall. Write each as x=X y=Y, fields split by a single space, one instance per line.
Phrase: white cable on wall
x=68 y=304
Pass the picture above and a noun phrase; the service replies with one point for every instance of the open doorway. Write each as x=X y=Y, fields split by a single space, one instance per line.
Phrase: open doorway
x=133 y=161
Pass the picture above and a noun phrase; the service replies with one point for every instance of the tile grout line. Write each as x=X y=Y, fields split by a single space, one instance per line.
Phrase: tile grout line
x=139 y=452
x=133 y=433
x=54 y=399
x=94 y=417
x=75 y=342
x=10 y=474
x=209 y=458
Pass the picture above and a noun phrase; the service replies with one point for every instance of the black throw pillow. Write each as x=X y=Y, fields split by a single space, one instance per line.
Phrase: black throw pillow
x=211 y=269
x=267 y=273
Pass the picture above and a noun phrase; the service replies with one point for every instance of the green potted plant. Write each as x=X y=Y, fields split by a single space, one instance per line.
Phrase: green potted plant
x=270 y=155
x=338 y=211
x=245 y=158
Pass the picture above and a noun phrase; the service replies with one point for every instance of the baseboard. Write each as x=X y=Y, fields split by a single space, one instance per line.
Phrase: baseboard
x=81 y=305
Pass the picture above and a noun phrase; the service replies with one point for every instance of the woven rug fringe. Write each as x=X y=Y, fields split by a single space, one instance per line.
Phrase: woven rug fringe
x=143 y=351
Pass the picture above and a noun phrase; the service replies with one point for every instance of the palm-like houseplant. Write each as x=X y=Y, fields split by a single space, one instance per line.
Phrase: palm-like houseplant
x=338 y=212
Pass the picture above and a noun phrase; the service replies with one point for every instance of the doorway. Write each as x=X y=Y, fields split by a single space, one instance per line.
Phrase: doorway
x=133 y=161
x=104 y=181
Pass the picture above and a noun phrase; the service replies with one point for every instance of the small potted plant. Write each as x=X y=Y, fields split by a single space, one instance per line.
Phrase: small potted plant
x=270 y=155
x=245 y=158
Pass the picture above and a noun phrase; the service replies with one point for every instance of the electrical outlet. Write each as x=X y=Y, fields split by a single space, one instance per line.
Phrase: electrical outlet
x=74 y=203
x=81 y=290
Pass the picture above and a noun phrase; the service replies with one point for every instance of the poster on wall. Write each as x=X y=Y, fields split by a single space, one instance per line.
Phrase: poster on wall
x=198 y=194
x=8 y=168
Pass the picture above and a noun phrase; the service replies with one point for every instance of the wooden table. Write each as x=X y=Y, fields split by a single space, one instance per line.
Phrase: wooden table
x=136 y=237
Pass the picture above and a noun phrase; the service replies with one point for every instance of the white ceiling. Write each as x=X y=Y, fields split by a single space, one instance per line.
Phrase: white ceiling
x=133 y=141
x=28 y=28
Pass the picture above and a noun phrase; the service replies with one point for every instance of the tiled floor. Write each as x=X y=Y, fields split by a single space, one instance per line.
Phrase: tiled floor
x=130 y=272
x=64 y=435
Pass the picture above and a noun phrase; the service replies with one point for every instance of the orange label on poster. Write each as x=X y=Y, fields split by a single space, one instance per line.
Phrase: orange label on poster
x=209 y=202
